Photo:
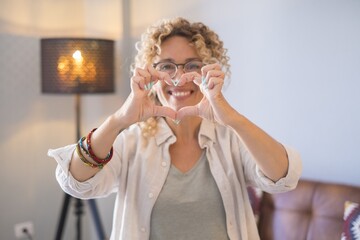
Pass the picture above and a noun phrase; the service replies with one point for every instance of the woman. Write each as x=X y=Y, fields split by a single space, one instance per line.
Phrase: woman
x=178 y=156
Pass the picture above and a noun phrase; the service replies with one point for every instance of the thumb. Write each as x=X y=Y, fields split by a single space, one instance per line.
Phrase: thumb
x=161 y=111
x=187 y=111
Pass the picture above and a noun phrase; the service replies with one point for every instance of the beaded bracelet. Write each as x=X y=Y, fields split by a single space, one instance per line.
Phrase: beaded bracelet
x=85 y=161
x=81 y=140
x=91 y=152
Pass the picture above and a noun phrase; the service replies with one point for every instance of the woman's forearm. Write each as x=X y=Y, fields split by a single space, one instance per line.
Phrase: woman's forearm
x=270 y=155
x=102 y=140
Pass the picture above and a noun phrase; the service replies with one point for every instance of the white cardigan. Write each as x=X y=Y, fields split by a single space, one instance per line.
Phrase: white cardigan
x=138 y=171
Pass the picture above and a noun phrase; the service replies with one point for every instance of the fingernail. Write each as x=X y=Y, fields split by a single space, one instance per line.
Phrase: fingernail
x=176 y=121
x=175 y=82
x=150 y=85
x=145 y=87
x=203 y=81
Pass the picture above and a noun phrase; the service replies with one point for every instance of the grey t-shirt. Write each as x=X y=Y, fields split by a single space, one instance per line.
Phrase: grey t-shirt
x=189 y=206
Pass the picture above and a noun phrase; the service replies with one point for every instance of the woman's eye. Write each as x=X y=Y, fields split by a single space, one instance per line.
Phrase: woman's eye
x=193 y=66
x=166 y=67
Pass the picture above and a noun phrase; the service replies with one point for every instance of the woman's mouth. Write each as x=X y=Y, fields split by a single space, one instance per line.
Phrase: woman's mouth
x=180 y=94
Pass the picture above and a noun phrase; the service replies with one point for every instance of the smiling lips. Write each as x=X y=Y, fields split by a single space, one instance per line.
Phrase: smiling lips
x=180 y=94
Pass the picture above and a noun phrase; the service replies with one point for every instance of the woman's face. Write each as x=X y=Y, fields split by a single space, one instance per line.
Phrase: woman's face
x=178 y=50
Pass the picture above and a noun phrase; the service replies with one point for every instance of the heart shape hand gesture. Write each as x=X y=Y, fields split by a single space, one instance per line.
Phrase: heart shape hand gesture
x=139 y=106
x=210 y=83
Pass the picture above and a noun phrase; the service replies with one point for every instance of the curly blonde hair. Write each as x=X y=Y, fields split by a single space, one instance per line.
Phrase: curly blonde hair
x=207 y=43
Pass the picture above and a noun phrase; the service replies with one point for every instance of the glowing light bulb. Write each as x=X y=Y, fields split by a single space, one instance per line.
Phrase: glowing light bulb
x=77 y=56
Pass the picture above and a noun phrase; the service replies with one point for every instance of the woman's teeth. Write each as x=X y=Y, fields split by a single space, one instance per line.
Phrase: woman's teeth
x=180 y=94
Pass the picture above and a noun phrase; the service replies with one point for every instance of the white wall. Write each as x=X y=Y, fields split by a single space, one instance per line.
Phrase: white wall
x=297 y=75
x=295 y=68
x=32 y=122
x=295 y=72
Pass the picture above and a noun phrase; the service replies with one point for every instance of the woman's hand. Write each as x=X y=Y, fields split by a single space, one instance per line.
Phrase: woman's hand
x=139 y=105
x=213 y=106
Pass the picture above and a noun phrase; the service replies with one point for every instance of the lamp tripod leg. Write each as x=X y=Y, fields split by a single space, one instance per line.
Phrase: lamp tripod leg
x=63 y=214
x=64 y=211
x=96 y=217
x=79 y=211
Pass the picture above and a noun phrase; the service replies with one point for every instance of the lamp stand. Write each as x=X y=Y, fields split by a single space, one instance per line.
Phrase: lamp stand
x=79 y=203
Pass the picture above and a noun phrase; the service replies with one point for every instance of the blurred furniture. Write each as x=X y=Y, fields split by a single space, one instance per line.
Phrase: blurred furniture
x=313 y=211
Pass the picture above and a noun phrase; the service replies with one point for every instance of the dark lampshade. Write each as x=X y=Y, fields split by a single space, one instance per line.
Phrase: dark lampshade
x=77 y=65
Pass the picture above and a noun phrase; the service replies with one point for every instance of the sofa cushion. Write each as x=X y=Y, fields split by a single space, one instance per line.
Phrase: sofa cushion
x=255 y=196
x=313 y=211
x=351 y=228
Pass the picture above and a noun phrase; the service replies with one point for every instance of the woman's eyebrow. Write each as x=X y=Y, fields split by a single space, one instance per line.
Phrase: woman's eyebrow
x=173 y=61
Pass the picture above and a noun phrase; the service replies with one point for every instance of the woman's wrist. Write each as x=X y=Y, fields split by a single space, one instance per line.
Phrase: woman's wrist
x=225 y=113
x=118 y=122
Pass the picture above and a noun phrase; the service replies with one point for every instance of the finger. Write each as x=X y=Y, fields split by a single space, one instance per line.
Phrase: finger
x=205 y=69
x=214 y=81
x=189 y=77
x=215 y=73
x=139 y=82
x=187 y=111
x=199 y=80
x=143 y=73
x=158 y=75
x=147 y=77
x=154 y=75
x=165 y=77
x=161 y=111
x=202 y=83
x=207 y=81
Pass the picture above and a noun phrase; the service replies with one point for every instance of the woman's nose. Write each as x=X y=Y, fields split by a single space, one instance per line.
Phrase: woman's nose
x=179 y=71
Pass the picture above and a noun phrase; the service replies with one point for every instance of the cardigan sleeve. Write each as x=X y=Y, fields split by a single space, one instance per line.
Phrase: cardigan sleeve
x=256 y=178
x=289 y=181
x=100 y=185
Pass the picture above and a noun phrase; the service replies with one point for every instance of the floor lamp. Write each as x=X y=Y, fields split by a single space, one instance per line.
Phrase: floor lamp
x=77 y=66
